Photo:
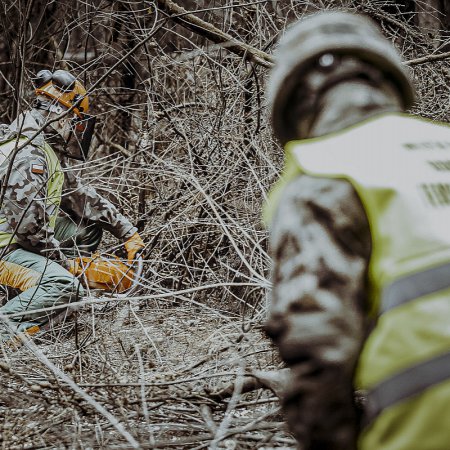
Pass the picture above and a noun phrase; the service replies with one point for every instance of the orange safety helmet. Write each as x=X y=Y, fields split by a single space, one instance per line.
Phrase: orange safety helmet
x=63 y=87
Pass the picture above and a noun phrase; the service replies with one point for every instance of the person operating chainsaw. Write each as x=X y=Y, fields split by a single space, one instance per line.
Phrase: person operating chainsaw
x=49 y=218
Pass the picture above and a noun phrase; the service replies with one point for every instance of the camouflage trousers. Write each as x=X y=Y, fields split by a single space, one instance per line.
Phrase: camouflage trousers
x=44 y=283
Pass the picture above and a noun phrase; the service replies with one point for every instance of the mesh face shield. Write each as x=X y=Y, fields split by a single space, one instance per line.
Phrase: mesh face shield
x=83 y=130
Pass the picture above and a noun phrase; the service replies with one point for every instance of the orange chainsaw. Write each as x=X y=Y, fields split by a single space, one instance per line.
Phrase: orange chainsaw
x=110 y=273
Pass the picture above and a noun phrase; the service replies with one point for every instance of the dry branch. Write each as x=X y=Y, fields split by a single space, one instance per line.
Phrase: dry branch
x=197 y=25
x=276 y=381
x=428 y=58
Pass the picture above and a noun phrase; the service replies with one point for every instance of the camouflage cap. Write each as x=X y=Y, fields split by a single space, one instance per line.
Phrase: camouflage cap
x=335 y=32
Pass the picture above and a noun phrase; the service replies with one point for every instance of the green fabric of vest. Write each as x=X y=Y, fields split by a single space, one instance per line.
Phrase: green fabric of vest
x=400 y=168
x=54 y=184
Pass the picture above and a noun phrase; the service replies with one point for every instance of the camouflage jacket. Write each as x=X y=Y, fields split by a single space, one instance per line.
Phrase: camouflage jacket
x=320 y=243
x=24 y=191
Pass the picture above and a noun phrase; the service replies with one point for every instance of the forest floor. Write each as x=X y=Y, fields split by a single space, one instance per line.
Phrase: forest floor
x=167 y=375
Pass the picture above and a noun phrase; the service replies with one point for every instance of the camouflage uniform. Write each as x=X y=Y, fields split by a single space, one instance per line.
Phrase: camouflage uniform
x=317 y=317
x=83 y=213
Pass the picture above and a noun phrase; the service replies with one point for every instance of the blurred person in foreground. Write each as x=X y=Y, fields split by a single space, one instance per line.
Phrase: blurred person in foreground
x=359 y=235
x=48 y=217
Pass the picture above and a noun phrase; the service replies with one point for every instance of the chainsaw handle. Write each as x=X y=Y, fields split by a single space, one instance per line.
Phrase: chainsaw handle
x=138 y=270
x=138 y=267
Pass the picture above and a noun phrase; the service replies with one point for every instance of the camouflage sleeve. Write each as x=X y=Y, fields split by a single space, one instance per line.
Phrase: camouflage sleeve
x=87 y=203
x=320 y=243
x=24 y=204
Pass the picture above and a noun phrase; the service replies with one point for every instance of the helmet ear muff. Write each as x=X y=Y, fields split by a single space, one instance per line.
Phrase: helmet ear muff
x=42 y=78
x=63 y=80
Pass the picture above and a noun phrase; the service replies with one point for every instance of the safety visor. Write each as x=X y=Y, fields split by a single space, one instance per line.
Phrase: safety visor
x=78 y=143
x=83 y=133
x=81 y=130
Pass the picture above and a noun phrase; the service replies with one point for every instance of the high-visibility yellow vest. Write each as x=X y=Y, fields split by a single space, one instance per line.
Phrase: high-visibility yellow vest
x=54 y=184
x=400 y=167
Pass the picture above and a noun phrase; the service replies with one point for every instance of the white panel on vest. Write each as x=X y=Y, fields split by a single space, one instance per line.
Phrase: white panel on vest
x=402 y=164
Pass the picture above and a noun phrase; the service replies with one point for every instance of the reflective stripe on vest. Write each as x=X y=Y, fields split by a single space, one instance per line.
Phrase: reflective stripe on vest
x=406 y=384
x=400 y=167
x=414 y=286
x=55 y=179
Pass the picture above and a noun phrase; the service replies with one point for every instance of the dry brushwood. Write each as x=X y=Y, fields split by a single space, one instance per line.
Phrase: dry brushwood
x=184 y=148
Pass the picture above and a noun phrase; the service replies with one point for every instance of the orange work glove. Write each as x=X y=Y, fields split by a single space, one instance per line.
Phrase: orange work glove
x=133 y=245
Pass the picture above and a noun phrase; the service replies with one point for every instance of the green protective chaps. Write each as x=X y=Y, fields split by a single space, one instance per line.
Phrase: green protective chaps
x=77 y=239
x=44 y=283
